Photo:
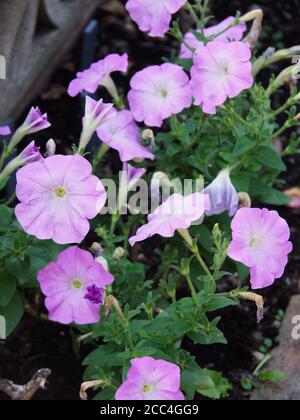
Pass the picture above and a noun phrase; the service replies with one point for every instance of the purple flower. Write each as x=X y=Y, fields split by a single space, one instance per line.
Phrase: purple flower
x=98 y=74
x=5 y=130
x=178 y=212
x=150 y=379
x=234 y=33
x=154 y=16
x=122 y=134
x=260 y=240
x=94 y=294
x=68 y=281
x=223 y=195
x=58 y=195
x=158 y=92
x=220 y=71
x=35 y=121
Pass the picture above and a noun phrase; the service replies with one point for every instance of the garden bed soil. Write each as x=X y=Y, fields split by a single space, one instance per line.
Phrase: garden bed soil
x=40 y=344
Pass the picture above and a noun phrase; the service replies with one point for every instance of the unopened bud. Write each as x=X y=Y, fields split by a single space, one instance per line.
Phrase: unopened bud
x=97 y=249
x=119 y=253
x=50 y=148
x=148 y=138
x=103 y=262
x=244 y=200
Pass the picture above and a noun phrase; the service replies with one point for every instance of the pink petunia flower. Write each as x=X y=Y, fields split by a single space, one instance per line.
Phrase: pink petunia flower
x=74 y=287
x=154 y=16
x=35 y=121
x=178 y=212
x=158 y=92
x=99 y=75
x=220 y=71
x=122 y=134
x=261 y=242
x=234 y=33
x=58 y=195
x=5 y=130
x=150 y=379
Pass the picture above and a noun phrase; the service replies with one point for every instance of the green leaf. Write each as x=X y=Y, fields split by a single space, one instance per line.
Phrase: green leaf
x=271 y=376
x=13 y=313
x=8 y=285
x=215 y=385
x=104 y=356
x=219 y=302
x=108 y=394
x=268 y=156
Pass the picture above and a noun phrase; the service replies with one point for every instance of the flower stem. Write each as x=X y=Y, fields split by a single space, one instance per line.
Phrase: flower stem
x=101 y=153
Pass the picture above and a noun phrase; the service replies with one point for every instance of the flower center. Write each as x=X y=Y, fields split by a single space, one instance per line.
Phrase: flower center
x=164 y=93
x=77 y=283
x=224 y=70
x=147 y=388
x=254 y=241
x=60 y=192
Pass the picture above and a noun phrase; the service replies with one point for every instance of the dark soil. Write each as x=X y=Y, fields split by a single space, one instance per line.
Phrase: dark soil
x=40 y=344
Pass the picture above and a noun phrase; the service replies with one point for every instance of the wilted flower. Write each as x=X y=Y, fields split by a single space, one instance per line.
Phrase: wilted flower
x=122 y=134
x=261 y=242
x=220 y=71
x=177 y=213
x=219 y=32
x=74 y=286
x=155 y=16
x=223 y=195
x=158 y=92
x=58 y=195
x=150 y=379
x=5 y=130
x=99 y=75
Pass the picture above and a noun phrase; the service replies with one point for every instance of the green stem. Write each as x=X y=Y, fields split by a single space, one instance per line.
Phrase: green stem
x=192 y=289
x=101 y=153
x=193 y=14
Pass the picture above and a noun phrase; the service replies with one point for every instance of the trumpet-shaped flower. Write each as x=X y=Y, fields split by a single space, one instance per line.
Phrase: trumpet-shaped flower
x=220 y=71
x=154 y=16
x=233 y=33
x=178 y=212
x=260 y=240
x=99 y=75
x=5 y=130
x=74 y=287
x=223 y=195
x=58 y=195
x=122 y=134
x=150 y=379
x=158 y=92
x=35 y=121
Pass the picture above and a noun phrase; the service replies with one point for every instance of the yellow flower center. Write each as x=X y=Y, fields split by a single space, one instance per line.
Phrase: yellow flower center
x=164 y=93
x=77 y=283
x=147 y=388
x=60 y=192
x=254 y=241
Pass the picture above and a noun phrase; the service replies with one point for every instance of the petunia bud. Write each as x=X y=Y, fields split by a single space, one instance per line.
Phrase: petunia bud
x=30 y=154
x=97 y=249
x=148 y=138
x=259 y=301
x=119 y=253
x=50 y=148
x=244 y=200
x=103 y=262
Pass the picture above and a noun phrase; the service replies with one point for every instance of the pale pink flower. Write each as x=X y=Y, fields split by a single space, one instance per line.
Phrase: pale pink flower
x=220 y=71
x=98 y=74
x=58 y=195
x=178 y=212
x=234 y=33
x=122 y=134
x=260 y=240
x=5 y=130
x=149 y=379
x=153 y=16
x=74 y=287
x=158 y=92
